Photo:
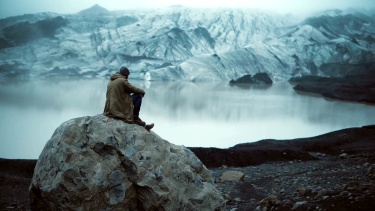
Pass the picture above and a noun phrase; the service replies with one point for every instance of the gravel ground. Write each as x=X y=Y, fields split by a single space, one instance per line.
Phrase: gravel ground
x=330 y=183
x=15 y=178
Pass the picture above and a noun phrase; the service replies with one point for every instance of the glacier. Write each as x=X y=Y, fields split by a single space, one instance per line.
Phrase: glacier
x=182 y=43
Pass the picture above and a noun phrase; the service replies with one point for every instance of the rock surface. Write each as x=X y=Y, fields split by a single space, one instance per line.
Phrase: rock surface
x=233 y=176
x=329 y=183
x=258 y=78
x=99 y=163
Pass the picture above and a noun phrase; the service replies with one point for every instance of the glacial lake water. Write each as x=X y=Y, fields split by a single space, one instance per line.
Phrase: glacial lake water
x=193 y=115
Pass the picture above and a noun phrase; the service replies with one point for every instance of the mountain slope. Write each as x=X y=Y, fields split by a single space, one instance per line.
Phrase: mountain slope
x=179 y=43
x=95 y=10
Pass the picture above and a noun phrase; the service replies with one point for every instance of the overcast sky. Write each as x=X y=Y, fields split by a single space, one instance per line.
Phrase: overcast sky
x=20 y=7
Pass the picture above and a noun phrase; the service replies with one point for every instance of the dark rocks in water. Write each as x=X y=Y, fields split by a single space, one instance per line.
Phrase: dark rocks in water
x=262 y=78
x=246 y=79
x=259 y=78
x=352 y=87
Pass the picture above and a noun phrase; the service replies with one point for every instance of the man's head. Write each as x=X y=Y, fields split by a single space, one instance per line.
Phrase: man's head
x=124 y=71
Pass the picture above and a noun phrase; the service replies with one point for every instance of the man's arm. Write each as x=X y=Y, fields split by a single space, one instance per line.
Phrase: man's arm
x=132 y=89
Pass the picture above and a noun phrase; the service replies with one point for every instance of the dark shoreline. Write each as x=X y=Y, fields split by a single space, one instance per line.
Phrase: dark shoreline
x=16 y=174
x=354 y=88
x=350 y=140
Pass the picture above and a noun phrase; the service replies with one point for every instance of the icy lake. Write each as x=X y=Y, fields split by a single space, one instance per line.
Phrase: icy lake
x=199 y=115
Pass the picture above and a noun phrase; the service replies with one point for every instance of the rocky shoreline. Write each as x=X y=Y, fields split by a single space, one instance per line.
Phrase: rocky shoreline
x=334 y=171
x=329 y=183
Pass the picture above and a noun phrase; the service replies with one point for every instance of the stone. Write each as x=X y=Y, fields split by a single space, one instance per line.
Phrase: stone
x=321 y=193
x=258 y=78
x=303 y=191
x=352 y=185
x=371 y=172
x=262 y=78
x=99 y=163
x=224 y=167
x=343 y=156
x=298 y=204
x=228 y=197
x=286 y=203
x=344 y=193
x=233 y=176
x=246 y=79
x=268 y=201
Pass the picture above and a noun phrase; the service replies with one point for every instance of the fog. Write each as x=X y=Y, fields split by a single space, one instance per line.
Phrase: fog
x=205 y=115
x=20 y=7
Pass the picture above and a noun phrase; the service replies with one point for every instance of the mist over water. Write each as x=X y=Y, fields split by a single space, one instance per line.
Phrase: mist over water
x=199 y=115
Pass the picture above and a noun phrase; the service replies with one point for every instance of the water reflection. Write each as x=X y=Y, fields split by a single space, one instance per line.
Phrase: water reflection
x=208 y=115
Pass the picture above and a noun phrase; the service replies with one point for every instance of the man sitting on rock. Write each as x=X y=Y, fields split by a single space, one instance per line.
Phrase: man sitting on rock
x=120 y=104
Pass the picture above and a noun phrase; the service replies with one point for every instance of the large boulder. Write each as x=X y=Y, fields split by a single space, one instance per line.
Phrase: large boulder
x=99 y=163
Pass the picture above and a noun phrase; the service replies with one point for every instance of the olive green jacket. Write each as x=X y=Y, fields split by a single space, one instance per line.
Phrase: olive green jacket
x=119 y=102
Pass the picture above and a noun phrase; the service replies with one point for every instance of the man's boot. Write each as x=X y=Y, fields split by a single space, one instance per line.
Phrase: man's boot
x=139 y=121
x=149 y=127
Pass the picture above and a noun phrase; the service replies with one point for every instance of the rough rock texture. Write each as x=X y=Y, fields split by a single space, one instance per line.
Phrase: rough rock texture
x=99 y=163
x=233 y=176
x=328 y=184
x=262 y=78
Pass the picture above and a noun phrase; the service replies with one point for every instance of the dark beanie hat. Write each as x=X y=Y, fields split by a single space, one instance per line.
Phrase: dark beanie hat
x=124 y=71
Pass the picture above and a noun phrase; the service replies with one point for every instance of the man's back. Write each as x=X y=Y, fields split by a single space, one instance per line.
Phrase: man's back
x=119 y=102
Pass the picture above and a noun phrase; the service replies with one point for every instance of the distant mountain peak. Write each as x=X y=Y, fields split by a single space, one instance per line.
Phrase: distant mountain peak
x=95 y=10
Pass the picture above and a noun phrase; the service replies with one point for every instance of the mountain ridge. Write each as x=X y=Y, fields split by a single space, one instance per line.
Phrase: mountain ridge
x=180 y=43
x=96 y=9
